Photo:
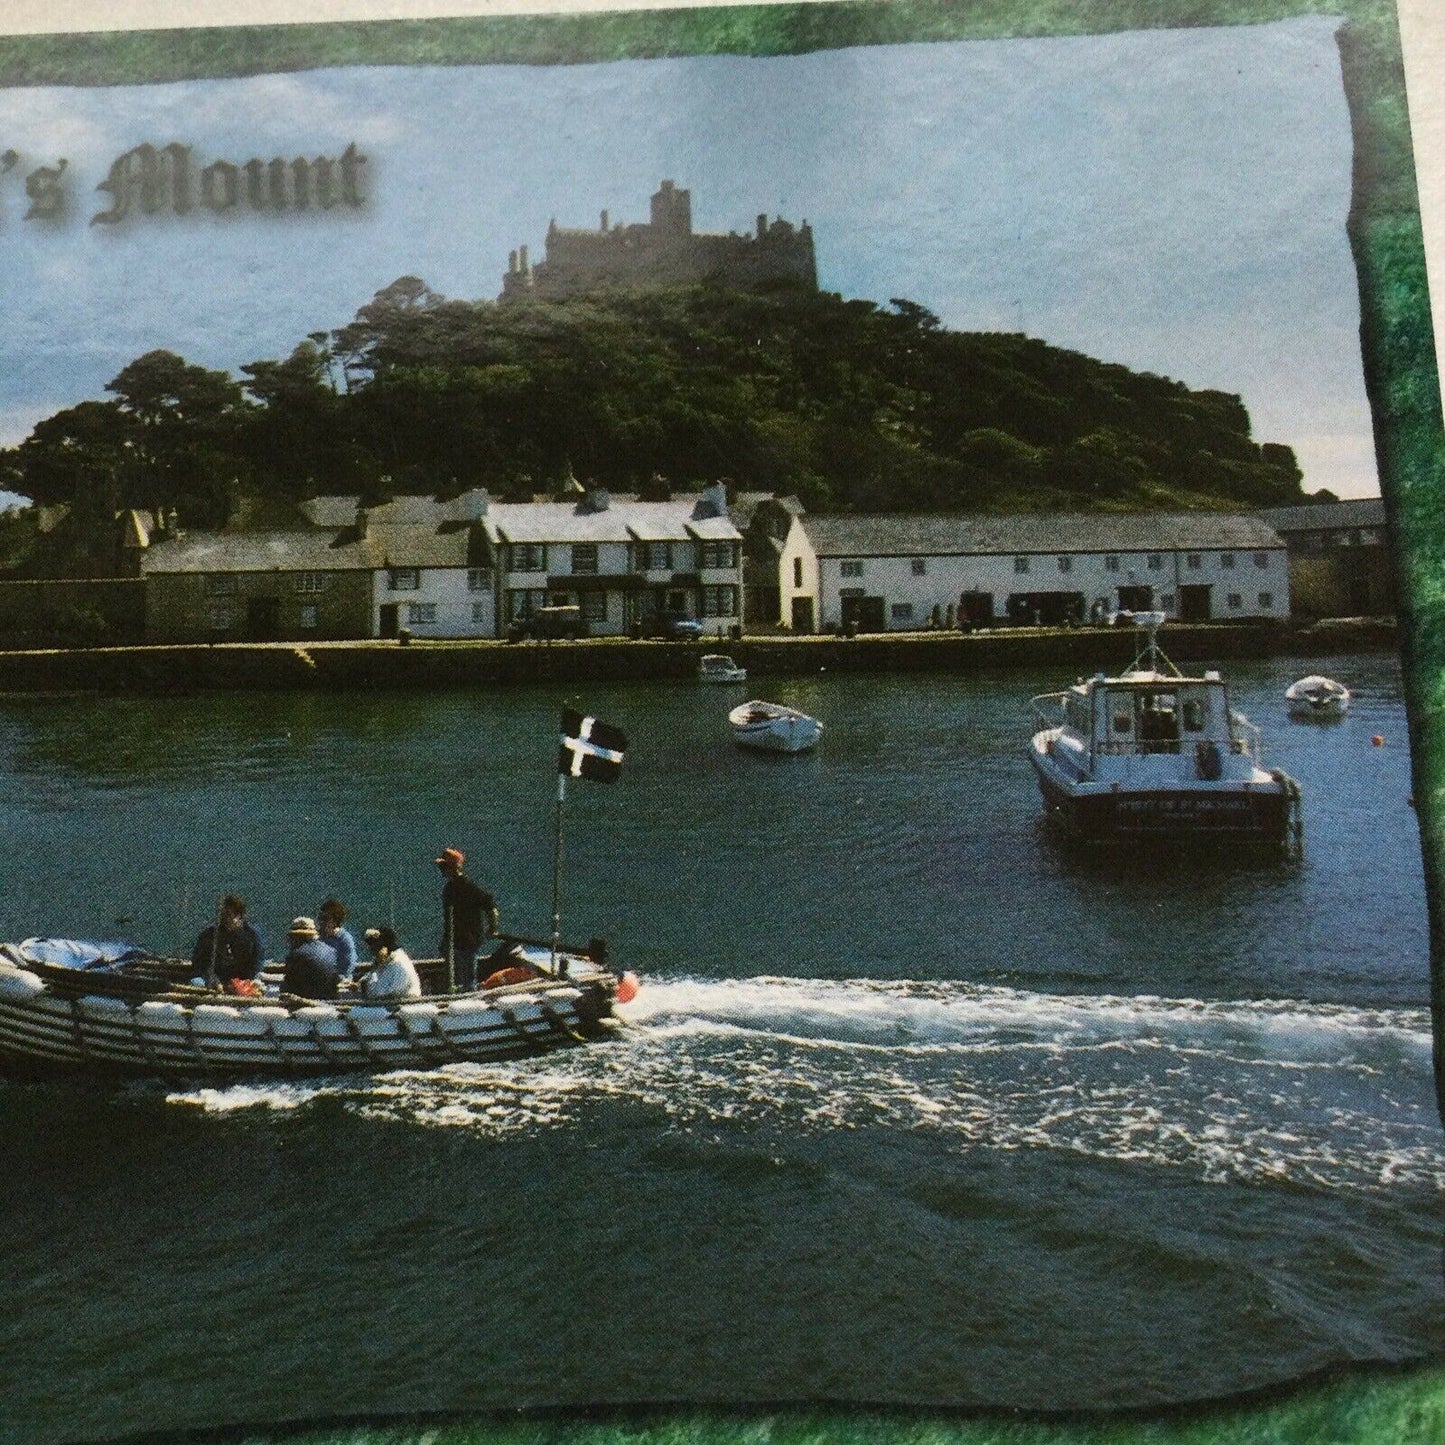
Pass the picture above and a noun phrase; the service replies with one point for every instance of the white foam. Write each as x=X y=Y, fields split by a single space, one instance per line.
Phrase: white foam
x=1267 y=1090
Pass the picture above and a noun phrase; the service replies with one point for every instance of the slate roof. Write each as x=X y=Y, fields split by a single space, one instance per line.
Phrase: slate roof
x=411 y=546
x=899 y=535
x=329 y=511
x=313 y=551
x=1327 y=516
x=624 y=520
x=427 y=511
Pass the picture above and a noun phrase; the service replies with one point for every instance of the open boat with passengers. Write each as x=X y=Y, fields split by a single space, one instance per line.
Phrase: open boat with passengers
x=114 y=1009
x=1154 y=754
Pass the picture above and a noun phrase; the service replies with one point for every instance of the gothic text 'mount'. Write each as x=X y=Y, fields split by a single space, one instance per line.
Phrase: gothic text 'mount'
x=149 y=180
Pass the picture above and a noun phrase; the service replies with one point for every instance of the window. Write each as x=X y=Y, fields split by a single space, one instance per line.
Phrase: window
x=1066 y=564
x=479 y=579
x=1226 y=559
x=479 y=614
x=902 y=611
x=1266 y=600
x=403 y=579
x=920 y=566
x=1194 y=561
x=312 y=582
x=221 y=584
x=1261 y=559
x=654 y=556
x=797 y=571
x=1194 y=715
x=528 y=557
x=584 y=557
x=1111 y=564
x=717 y=554
x=1167 y=601
x=221 y=619
x=421 y=612
x=594 y=607
x=310 y=614
x=851 y=568
x=524 y=602
x=1156 y=562
x=1021 y=564
x=1235 y=600
x=719 y=601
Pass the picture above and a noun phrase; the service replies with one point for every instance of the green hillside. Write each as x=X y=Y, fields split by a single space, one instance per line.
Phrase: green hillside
x=850 y=405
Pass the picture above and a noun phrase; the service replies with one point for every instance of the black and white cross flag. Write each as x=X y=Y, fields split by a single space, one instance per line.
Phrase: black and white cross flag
x=590 y=749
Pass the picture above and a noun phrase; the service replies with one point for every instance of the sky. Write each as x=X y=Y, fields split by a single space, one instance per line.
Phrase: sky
x=1172 y=200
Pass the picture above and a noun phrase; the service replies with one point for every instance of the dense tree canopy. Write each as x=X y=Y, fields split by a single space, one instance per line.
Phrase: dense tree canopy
x=851 y=405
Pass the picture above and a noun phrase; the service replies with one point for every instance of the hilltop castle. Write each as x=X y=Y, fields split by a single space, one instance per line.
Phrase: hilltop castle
x=663 y=252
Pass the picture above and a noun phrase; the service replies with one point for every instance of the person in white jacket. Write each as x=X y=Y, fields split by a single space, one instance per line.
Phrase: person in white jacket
x=393 y=974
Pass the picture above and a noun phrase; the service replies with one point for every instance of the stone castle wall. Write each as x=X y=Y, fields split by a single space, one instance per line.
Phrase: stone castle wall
x=665 y=251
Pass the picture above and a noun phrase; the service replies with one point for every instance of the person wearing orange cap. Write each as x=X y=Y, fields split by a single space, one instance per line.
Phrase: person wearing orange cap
x=469 y=914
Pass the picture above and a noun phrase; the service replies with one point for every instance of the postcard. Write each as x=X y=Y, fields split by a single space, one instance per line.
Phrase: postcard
x=717 y=709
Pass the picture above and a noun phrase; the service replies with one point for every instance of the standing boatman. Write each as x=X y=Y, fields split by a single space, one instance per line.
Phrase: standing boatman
x=469 y=915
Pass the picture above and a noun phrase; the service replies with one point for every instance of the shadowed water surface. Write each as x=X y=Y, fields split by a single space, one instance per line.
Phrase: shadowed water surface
x=915 y=1104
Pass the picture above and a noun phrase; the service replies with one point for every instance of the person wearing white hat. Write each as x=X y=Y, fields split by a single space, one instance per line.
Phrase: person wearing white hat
x=310 y=968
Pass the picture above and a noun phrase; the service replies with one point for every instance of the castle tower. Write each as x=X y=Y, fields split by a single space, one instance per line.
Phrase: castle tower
x=672 y=211
x=664 y=251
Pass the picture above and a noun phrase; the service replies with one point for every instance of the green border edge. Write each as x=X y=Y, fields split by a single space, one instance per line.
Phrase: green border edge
x=1397 y=340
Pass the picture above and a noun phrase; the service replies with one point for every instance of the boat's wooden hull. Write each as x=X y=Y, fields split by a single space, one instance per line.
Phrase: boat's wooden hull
x=48 y=1028
x=1237 y=811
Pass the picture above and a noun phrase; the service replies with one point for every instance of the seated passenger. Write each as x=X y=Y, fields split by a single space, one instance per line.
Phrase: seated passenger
x=393 y=974
x=328 y=922
x=310 y=970
x=230 y=949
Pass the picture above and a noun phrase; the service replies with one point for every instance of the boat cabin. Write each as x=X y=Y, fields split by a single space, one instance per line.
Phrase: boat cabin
x=1149 y=714
x=1111 y=721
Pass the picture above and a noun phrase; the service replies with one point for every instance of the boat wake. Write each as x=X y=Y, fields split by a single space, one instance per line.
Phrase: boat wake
x=1313 y=1094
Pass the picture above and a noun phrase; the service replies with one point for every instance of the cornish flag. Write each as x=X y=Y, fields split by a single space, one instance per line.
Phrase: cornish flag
x=590 y=749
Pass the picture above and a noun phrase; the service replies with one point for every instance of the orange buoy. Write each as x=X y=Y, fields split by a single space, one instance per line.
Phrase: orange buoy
x=627 y=987
x=1378 y=741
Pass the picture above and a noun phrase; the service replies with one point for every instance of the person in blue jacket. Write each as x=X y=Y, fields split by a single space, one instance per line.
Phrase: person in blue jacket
x=329 y=918
x=228 y=949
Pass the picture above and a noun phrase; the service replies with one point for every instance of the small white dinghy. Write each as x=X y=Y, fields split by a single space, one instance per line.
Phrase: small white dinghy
x=773 y=728
x=716 y=667
x=1317 y=697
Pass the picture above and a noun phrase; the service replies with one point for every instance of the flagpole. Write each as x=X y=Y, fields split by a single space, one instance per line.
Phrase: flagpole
x=557 y=873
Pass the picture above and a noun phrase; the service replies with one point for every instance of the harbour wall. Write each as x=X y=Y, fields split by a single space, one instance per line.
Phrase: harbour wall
x=425 y=665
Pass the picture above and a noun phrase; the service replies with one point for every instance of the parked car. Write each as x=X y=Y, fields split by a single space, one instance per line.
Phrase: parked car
x=548 y=624
x=675 y=626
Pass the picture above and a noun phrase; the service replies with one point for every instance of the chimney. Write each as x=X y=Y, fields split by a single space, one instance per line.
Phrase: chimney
x=522 y=259
x=713 y=502
x=762 y=226
x=604 y=220
x=512 y=263
x=598 y=499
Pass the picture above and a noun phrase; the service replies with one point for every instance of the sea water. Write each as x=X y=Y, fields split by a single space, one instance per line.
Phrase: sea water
x=915 y=1105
